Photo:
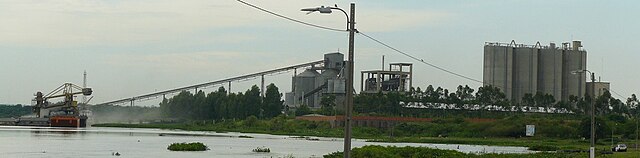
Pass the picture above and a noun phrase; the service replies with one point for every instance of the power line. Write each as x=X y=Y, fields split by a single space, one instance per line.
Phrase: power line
x=291 y=19
x=419 y=60
x=378 y=41
x=614 y=92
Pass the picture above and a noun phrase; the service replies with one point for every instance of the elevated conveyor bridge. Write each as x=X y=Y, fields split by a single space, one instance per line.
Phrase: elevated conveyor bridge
x=213 y=83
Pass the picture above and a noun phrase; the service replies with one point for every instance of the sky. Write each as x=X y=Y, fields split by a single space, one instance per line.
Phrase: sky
x=130 y=48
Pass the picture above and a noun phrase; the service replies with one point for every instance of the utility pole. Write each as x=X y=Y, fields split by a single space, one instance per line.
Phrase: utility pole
x=349 y=105
x=592 y=150
x=351 y=23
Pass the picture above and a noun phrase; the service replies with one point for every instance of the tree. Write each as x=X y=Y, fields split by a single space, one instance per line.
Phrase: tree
x=252 y=104
x=528 y=100
x=328 y=103
x=632 y=103
x=272 y=102
x=544 y=100
x=489 y=95
x=303 y=110
x=465 y=93
x=602 y=128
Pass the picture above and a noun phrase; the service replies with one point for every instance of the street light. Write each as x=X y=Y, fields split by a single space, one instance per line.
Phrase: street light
x=592 y=148
x=351 y=21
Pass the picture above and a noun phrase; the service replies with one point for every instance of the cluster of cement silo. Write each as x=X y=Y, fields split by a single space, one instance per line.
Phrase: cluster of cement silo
x=309 y=86
x=518 y=69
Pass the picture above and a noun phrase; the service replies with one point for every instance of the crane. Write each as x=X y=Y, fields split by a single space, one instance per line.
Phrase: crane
x=66 y=110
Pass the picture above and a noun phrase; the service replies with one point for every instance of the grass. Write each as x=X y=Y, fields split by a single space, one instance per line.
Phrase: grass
x=374 y=151
x=195 y=146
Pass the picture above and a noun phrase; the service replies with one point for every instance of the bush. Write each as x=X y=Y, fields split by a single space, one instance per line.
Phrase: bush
x=195 y=146
x=373 y=151
x=262 y=150
x=250 y=121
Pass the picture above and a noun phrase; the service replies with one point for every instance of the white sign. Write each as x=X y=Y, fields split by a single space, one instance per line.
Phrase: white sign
x=531 y=130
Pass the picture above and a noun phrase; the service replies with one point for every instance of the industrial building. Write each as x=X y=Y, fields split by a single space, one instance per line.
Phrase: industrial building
x=397 y=78
x=598 y=87
x=518 y=69
x=309 y=86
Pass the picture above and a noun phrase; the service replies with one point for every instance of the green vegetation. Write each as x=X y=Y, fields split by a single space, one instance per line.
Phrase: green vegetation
x=195 y=146
x=14 y=110
x=261 y=150
x=374 y=151
x=219 y=105
x=470 y=118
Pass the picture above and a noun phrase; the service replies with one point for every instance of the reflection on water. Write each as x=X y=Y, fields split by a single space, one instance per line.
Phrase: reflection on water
x=103 y=142
x=63 y=133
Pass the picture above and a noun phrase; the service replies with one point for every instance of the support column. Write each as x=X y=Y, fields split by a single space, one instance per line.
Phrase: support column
x=410 y=76
x=262 y=87
x=229 y=92
x=361 y=82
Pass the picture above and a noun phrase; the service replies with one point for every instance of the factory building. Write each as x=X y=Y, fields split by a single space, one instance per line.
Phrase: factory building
x=599 y=88
x=309 y=86
x=518 y=69
x=398 y=78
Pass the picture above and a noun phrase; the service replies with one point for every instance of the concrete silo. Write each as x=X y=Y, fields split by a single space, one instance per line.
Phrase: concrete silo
x=518 y=69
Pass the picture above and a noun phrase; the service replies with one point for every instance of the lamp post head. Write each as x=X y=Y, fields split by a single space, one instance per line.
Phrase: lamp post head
x=321 y=9
x=577 y=71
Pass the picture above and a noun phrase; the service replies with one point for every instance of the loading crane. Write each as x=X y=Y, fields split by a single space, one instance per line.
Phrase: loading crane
x=64 y=113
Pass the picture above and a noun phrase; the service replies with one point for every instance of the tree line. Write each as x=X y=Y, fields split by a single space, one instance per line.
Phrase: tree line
x=487 y=98
x=222 y=105
x=14 y=110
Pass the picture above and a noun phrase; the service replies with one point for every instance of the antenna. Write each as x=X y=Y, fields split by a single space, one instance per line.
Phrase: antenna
x=84 y=85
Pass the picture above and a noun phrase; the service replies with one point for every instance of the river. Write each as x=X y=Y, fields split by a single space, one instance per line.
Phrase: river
x=27 y=142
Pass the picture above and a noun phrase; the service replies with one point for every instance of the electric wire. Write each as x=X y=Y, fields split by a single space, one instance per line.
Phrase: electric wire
x=618 y=94
x=417 y=59
x=291 y=19
x=365 y=35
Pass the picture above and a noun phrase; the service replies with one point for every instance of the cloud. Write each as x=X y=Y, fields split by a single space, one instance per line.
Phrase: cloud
x=96 y=22
x=175 y=62
x=388 y=20
x=72 y=23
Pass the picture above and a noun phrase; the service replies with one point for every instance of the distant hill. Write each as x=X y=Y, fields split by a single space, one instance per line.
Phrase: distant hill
x=14 y=110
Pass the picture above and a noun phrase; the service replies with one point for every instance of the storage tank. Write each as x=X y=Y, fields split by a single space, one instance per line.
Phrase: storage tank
x=305 y=82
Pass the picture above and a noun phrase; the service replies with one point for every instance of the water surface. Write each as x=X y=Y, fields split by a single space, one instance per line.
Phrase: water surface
x=28 y=142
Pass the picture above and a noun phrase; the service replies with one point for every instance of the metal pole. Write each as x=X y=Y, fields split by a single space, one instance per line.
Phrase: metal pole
x=349 y=91
x=592 y=151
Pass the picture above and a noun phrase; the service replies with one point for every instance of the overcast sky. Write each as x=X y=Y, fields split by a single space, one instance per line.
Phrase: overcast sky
x=130 y=48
